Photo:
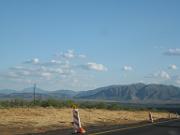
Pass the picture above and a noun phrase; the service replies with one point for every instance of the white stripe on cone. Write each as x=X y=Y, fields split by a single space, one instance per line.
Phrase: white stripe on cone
x=77 y=122
x=150 y=117
x=169 y=115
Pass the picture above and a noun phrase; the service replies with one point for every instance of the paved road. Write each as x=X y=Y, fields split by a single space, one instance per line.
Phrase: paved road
x=171 y=127
x=167 y=128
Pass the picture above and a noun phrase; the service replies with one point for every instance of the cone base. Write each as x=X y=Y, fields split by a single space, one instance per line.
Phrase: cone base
x=81 y=130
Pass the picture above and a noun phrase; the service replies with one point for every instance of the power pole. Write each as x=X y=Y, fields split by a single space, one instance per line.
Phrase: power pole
x=34 y=93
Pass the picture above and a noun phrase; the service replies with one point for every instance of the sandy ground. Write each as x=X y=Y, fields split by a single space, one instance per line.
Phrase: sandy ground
x=28 y=120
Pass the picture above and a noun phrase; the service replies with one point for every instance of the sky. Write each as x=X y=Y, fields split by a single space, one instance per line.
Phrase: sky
x=86 y=44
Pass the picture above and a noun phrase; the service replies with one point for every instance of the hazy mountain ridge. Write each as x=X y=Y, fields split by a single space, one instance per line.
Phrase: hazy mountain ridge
x=137 y=92
x=7 y=91
x=27 y=93
x=134 y=93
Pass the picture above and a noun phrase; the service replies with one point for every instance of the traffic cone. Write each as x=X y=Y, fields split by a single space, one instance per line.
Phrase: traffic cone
x=77 y=122
x=150 y=117
x=81 y=130
x=177 y=115
x=169 y=115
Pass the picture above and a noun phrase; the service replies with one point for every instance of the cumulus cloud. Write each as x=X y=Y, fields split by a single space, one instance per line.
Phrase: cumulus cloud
x=82 y=56
x=127 y=68
x=17 y=68
x=70 y=54
x=52 y=62
x=17 y=76
x=47 y=70
x=57 y=70
x=25 y=73
x=32 y=61
x=63 y=68
x=176 y=79
x=56 y=62
x=160 y=75
x=173 y=67
x=95 y=66
x=47 y=75
x=10 y=74
x=173 y=52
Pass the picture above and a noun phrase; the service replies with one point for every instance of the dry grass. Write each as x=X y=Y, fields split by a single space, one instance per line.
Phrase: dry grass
x=35 y=119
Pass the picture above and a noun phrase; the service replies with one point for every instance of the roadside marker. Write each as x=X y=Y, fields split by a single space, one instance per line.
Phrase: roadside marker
x=151 y=117
x=169 y=115
x=177 y=115
x=77 y=122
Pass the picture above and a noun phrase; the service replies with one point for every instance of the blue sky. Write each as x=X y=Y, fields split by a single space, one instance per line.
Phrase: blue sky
x=83 y=45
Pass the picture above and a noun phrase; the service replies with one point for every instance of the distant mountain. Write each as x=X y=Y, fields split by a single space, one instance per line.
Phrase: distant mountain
x=27 y=93
x=63 y=93
x=31 y=90
x=25 y=96
x=7 y=91
x=88 y=93
x=126 y=93
x=135 y=92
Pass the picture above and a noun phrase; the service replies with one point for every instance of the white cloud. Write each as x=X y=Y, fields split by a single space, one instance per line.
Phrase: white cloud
x=26 y=73
x=56 y=62
x=47 y=75
x=163 y=75
x=64 y=68
x=11 y=74
x=95 y=66
x=173 y=52
x=127 y=68
x=159 y=75
x=51 y=63
x=46 y=70
x=178 y=81
x=82 y=56
x=70 y=54
x=173 y=67
x=32 y=61
x=15 y=75
x=57 y=71
x=17 y=68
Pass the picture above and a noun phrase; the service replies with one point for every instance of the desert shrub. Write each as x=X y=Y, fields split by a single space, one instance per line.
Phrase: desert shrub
x=114 y=107
x=69 y=103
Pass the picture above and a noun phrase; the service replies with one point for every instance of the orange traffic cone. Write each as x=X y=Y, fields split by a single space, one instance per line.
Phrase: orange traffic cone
x=169 y=115
x=81 y=131
x=77 y=122
x=151 y=117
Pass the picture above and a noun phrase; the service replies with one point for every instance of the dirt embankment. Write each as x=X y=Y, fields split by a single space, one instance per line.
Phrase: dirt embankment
x=28 y=120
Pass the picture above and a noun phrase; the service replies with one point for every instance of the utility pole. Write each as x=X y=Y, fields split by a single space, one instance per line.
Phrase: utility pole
x=34 y=93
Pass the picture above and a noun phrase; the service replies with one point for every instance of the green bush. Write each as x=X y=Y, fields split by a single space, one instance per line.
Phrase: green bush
x=68 y=104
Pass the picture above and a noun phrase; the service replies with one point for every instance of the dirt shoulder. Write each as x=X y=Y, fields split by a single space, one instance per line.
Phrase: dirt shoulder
x=35 y=120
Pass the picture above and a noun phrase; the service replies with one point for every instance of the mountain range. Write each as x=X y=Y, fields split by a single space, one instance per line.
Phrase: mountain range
x=125 y=93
